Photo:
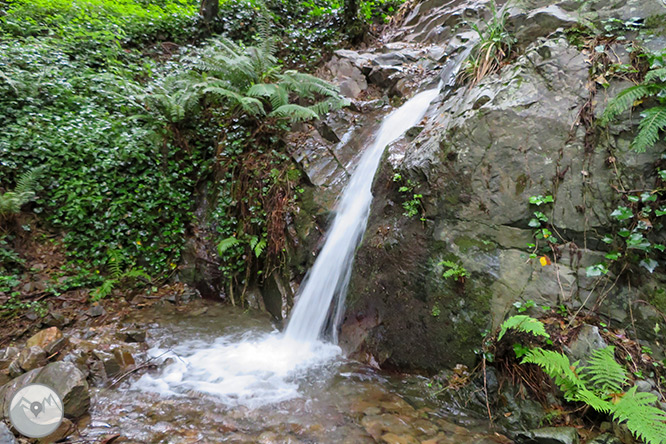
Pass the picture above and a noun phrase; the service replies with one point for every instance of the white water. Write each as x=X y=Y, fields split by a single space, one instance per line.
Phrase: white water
x=330 y=273
x=259 y=369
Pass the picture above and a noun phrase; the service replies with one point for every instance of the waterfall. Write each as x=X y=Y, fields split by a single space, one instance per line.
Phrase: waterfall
x=330 y=273
x=253 y=368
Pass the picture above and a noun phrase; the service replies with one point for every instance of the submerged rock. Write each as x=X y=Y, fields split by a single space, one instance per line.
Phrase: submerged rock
x=549 y=435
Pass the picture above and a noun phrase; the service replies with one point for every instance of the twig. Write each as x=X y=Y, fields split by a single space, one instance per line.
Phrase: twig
x=135 y=369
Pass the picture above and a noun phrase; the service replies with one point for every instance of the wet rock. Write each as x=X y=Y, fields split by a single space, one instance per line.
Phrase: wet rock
x=392 y=438
x=549 y=435
x=6 y=437
x=96 y=310
x=14 y=370
x=529 y=26
x=45 y=337
x=56 y=319
x=587 y=341
x=131 y=336
x=31 y=357
x=63 y=377
x=7 y=356
x=605 y=438
x=110 y=364
x=65 y=429
x=346 y=70
x=124 y=357
x=384 y=76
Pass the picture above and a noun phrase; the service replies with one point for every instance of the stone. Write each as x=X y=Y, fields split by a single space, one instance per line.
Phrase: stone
x=133 y=335
x=7 y=356
x=528 y=27
x=551 y=435
x=45 y=337
x=31 y=357
x=14 y=370
x=384 y=76
x=6 y=437
x=112 y=367
x=587 y=341
x=63 y=377
x=392 y=438
x=124 y=357
x=96 y=310
x=57 y=346
x=65 y=429
x=605 y=438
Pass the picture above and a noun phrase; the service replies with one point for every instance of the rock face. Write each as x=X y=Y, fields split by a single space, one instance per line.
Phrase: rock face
x=482 y=153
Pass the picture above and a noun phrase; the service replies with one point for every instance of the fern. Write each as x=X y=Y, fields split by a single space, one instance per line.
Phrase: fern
x=259 y=248
x=557 y=366
x=103 y=290
x=523 y=324
x=12 y=201
x=604 y=372
x=294 y=113
x=646 y=421
x=115 y=263
x=654 y=121
x=225 y=244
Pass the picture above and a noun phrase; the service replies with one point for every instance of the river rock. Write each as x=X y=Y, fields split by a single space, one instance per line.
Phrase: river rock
x=529 y=26
x=65 y=429
x=549 y=435
x=32 y=357
x=45 y=337
x=7 y=356
x=133 y=335
x=605 y=438
x=6 y=437
x=63 y=377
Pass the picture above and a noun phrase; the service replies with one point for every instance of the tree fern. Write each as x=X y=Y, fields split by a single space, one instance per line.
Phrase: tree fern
x=654 y=121
x=523 y=324
x=646 y=421
x=604 y=372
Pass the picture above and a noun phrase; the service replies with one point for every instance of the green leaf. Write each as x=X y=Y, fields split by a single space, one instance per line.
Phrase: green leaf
x=622 y=213
x=596 y=270
x=523 y=324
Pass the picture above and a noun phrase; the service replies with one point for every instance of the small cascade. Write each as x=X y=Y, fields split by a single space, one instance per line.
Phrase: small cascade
x=329 y=276
x=254 y=369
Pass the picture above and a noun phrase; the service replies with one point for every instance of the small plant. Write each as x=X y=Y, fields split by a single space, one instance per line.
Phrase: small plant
x=599 y=383
x=453 y=270
x=413 y=204
x=494 y=46
x=653 y=119
x=119 y=271
x=12 y=201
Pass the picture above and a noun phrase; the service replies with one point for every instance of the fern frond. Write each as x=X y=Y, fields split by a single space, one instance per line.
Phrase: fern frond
x=259 y=248
x=654 y=121
x=12 y=201
x=624 y=101
x=557 y=366
x=227 y=243
x=658 y=74
x=115 y=263
x=27 y=182
x=643 y=419
x=103 y=290
x=604 y=372
x=523 y=324
x=594 y=401
x=135 y=273
x=294 y=113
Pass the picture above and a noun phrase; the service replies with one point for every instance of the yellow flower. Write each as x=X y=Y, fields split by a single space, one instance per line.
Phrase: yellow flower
x=138 y=243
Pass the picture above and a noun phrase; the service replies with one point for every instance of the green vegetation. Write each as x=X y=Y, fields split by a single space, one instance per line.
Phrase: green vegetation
x=652 y=91
x=493 y=48
x=453 y=270
x=412 y=205
x=599 y=383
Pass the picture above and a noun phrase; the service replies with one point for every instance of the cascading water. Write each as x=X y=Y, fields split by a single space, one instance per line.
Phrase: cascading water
x=254 y=369
x=330 y=273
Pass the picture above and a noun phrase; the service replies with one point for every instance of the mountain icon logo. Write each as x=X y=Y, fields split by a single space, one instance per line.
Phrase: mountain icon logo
x=36 y=411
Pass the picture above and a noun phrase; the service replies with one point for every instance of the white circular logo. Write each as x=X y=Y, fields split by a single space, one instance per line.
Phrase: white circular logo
x=36 y=411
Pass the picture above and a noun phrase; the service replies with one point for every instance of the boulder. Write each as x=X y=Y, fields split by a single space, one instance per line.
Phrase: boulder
x=63 y=377
x=587 y=341
x=529 y=26
x=7 y=356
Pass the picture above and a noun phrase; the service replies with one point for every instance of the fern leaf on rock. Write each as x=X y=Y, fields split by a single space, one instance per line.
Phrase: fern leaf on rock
x=643 y=419
x=604 y=372
x=654 y=121
x=624 y=101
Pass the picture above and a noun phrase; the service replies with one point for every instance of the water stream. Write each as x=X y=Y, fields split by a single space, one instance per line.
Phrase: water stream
x=254 y=368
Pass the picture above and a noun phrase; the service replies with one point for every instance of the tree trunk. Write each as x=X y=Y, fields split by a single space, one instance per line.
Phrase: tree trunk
x=353 y=26
x=209 y=10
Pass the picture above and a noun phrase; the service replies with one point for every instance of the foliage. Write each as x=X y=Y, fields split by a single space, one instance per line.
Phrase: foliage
x=523 y=324
x=653 y=119
x=494 y=46
x=413 y=201
x=453 y=270
x=12 y=201
x=119 y=271
x=599 y=384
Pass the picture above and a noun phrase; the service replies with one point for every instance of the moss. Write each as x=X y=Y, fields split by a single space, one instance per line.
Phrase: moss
x=658 y=299
x=656 y=24
x=466 y=243
x=521 y=184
